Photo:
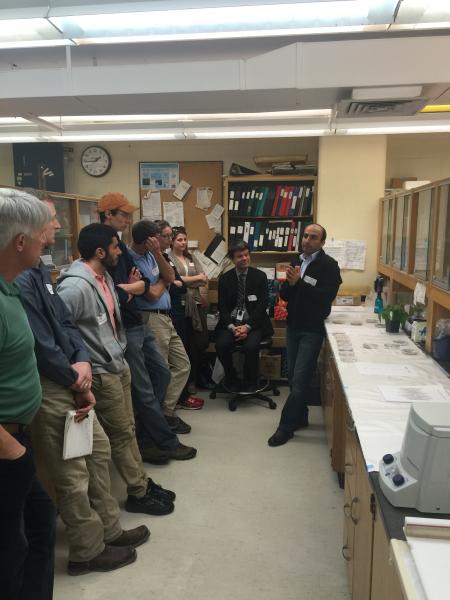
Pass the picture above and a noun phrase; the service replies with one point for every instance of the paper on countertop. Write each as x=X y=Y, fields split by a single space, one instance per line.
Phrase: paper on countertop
x=414 y=393
x=151 y=206
x=204 y=197
x=182 y=189
x=174 y=213
x=385 y=369
x=78 y=437
x=419 y=293
x=348 y=309
x=431 y=559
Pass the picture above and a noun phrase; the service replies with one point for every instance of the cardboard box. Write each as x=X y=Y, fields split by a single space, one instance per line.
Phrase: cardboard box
x=347 y=300
x=270 y=366
x=397 y=182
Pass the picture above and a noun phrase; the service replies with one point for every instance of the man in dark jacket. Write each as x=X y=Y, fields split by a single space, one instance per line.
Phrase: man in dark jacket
x=243 y=301
x=82 y=485
x=312 y=283
x=150 y=374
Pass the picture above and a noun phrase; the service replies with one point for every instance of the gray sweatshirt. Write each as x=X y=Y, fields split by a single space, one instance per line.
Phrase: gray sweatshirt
x=78 y=289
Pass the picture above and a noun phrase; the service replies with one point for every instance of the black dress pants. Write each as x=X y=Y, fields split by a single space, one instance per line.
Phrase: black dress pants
x=225 y=343
x=27 y=531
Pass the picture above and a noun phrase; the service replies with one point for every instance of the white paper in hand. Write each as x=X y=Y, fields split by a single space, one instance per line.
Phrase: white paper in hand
x=78 y=437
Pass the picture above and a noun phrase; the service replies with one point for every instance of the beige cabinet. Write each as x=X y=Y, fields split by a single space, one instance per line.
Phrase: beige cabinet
x=385 y=579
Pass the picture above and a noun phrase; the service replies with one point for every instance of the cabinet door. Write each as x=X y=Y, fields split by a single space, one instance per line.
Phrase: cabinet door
x=326 y=386
x=339 y=416
x=349 y=531
x=363 y=539
x=385 y=581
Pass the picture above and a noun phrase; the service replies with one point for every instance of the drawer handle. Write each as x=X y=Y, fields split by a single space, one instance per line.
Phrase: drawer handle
x=348 y=468
x=346 y=553
x=347 y=508
x=354 y=501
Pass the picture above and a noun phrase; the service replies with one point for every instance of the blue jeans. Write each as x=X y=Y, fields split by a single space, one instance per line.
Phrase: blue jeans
x=27 y=531
x=303 y=348
x=150 y=376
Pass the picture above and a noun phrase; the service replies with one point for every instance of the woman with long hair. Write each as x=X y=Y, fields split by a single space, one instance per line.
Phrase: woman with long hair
x=192 y=326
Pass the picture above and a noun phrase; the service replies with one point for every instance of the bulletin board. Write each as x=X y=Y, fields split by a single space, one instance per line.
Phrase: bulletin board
x=199 y=174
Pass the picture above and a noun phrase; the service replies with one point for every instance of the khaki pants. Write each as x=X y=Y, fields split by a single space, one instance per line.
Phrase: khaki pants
x=173 y=351
x=82 y=485
x=115 y=412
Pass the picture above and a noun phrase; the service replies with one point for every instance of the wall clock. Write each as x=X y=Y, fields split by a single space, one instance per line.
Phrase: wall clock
x=96 y=161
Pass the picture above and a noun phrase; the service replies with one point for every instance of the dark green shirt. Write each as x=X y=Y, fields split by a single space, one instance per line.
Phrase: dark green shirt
x=20 y=389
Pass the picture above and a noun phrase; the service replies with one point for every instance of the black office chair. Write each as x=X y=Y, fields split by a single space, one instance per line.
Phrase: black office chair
x=258 y=394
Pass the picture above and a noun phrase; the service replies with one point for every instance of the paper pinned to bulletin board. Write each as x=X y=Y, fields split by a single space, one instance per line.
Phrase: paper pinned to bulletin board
x=201 y=175
x=349 y=254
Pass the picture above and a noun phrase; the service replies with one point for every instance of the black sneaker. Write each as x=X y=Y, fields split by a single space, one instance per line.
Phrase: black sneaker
x=155 y=490
x=148 y=505
x=177 y=425
x=182 y=452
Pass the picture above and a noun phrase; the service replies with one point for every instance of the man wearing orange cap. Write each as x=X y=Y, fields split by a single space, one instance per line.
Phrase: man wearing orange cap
x=150 y=374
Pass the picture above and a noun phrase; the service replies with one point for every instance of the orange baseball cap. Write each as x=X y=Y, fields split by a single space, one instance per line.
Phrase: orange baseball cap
x=115 y=200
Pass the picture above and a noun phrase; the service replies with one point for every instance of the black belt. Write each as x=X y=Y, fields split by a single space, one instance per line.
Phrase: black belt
x=160 y=311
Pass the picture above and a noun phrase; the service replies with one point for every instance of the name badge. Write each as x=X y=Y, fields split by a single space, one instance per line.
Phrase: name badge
x=191 y=264
x=101 y=319
x=252 y=298
x=310 y=280
x=155 y=271
x=49 y=288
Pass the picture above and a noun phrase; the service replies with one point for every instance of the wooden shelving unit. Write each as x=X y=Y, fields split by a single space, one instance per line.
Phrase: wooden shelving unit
x=438 y=298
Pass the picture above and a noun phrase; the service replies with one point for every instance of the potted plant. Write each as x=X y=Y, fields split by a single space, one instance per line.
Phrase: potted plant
x=394 y=315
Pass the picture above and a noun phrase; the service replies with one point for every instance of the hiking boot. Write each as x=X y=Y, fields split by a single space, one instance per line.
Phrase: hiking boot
x=182 y=452
x=110 y=559
x=132 y=537
x=154 y=455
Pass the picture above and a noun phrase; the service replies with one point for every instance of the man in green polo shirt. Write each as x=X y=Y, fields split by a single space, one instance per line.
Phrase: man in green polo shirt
x=27 y=514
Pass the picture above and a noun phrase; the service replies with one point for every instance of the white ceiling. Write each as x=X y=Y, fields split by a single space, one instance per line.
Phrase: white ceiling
x=222 y=76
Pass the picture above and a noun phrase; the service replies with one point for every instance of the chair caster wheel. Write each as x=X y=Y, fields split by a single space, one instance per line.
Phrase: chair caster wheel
x=276 y=392
x=232 y=405
x=212 y=395
x=272 y=405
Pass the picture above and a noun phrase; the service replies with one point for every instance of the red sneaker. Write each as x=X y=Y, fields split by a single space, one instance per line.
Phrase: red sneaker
x=191 y=403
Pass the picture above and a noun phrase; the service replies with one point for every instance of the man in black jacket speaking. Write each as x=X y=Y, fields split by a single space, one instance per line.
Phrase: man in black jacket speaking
x=312 y=283
x=243 y=301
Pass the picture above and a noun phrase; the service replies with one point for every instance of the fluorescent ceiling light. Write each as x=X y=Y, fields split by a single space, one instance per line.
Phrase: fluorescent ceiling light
x=36 y=44
x=423 y=12
x=256 y=133
x=18 y=139
x=395 y=129
x=13 y=121
x=187 y=118
x=26 y=30
x=225 y=21
x=119 y=136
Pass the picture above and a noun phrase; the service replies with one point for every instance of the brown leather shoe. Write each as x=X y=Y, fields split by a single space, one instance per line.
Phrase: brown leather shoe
x=154 y=455
x=181 y=452
x=132 y=537
x=110 y=559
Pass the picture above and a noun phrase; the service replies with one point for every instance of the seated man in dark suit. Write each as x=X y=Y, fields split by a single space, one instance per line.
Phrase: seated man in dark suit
x=243 y=301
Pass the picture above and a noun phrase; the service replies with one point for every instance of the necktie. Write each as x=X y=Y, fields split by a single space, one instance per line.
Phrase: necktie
x=241 y=291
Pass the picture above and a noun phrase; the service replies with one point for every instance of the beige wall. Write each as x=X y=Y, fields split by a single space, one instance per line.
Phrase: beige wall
x=351 y=181
x=6 y=165
x=425 y=156
x=124 y=174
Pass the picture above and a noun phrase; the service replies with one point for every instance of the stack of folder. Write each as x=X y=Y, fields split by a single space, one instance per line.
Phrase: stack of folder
x=252 y=200
x=268 y=236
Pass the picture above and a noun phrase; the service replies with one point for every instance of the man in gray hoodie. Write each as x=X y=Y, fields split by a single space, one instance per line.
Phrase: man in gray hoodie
x=88 y=290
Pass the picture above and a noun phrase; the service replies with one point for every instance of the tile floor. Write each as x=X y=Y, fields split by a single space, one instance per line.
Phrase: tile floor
x=251 y=522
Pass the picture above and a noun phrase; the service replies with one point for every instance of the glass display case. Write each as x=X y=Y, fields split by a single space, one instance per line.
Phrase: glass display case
x=401 y=233
x=386 y=232
x=422 y=254
x=441 y=273
x=87 y=211
x=62 y=251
